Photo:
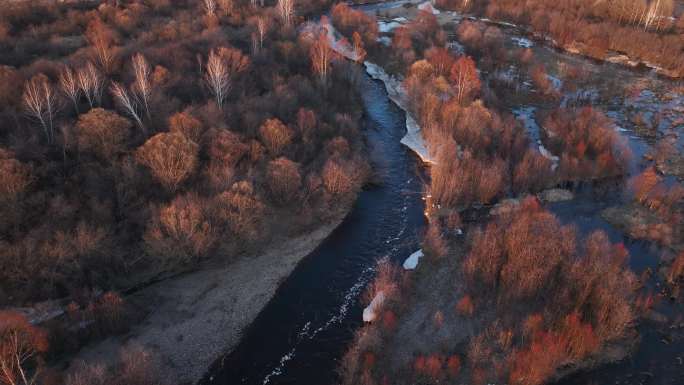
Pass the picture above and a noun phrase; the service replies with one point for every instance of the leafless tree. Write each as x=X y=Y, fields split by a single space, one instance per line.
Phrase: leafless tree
x=142 y=85
x=91 y=82
x=209 y=7
x=286 y=11
x=223 y=64
x=41 y=103
x=262 y=29
x=217 y=77
x=127 y=103
x=101 y=37
x=226 y=6
x=68 y=81
x=321 y=56
x=21 y=344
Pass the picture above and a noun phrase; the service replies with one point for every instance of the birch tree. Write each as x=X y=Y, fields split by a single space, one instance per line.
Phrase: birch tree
x=464 y=77
x=20 y=345
x=285 y=11
x=321 y=56
x=142 y=86
x=101 y=38
x=222 y=66
x=91 y=82
x=41 y=103
x=129 y=105
x=209 y=7
x=68 y=81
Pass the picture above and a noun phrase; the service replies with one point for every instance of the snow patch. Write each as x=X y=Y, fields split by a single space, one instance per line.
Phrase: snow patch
x=412 y=261
x=370 y=313
x=386 y=27
x=522 y=42
x=414 y=139
x=427 y=7
x=455 y=47
x=384 y=40
x=548 y=155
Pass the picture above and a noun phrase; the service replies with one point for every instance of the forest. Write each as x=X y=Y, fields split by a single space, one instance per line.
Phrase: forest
x=141 y=139
x=144 y=141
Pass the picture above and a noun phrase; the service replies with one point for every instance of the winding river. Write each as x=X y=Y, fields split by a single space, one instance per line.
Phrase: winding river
x=304 y=330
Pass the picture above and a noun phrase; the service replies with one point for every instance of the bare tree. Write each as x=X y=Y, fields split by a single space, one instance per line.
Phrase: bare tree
x=209 y=7
x=21 y=344
x=142 y=86
x=262 y=29
x=217 y=77
x=68 y=81
x=101 y=37
x=91 y=82
x=222 y=66
x=170 y=157
x=321 y=56
x=226 y=6
x=286 y=11
x=41 y=103
x=127 y=103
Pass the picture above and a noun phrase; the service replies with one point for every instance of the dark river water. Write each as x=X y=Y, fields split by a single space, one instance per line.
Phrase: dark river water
x=304 y=330
x=301 y=333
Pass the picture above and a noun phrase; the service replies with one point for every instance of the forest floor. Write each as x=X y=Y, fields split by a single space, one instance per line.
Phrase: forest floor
x=193 y=319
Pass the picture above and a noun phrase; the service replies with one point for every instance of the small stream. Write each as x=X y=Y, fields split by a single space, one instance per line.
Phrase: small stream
x=300 y=335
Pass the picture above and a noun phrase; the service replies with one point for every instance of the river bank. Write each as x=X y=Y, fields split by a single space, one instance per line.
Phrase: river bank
x=197 y=317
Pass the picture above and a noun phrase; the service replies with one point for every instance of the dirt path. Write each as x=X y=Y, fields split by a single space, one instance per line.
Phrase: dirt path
x=197 y=317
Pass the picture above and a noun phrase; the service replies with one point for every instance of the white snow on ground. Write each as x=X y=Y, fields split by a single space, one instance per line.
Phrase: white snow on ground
x=557 y=83
x=414 y=140
x=385 y=40
x=455 y=47
x=412 y=261
x=526 y=115
x=522 y=42
x=387 y=26
x=427 y=6
x=548 y=155
x=370 y=313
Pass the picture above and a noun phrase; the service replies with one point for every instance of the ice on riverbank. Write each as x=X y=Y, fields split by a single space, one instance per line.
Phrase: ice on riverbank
x=388 y=26
x=395 y=91
x=370 y=313
x=413 y=139
x=522 y=42
x=428 y=7
x=412 y=261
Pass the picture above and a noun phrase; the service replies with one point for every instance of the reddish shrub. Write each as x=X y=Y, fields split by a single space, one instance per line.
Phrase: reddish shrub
x=275 y=135
x=284 y=179
x=454 y=366
x=241 y=210
x=180 y=232
x=103 y=132
x=676 y=271
x=389 y=320
x=186 y=124
x=15 y=177
x=171 y=158
x=465 y=306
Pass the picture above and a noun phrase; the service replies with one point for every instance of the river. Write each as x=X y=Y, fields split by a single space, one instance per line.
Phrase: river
x=304 y=330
